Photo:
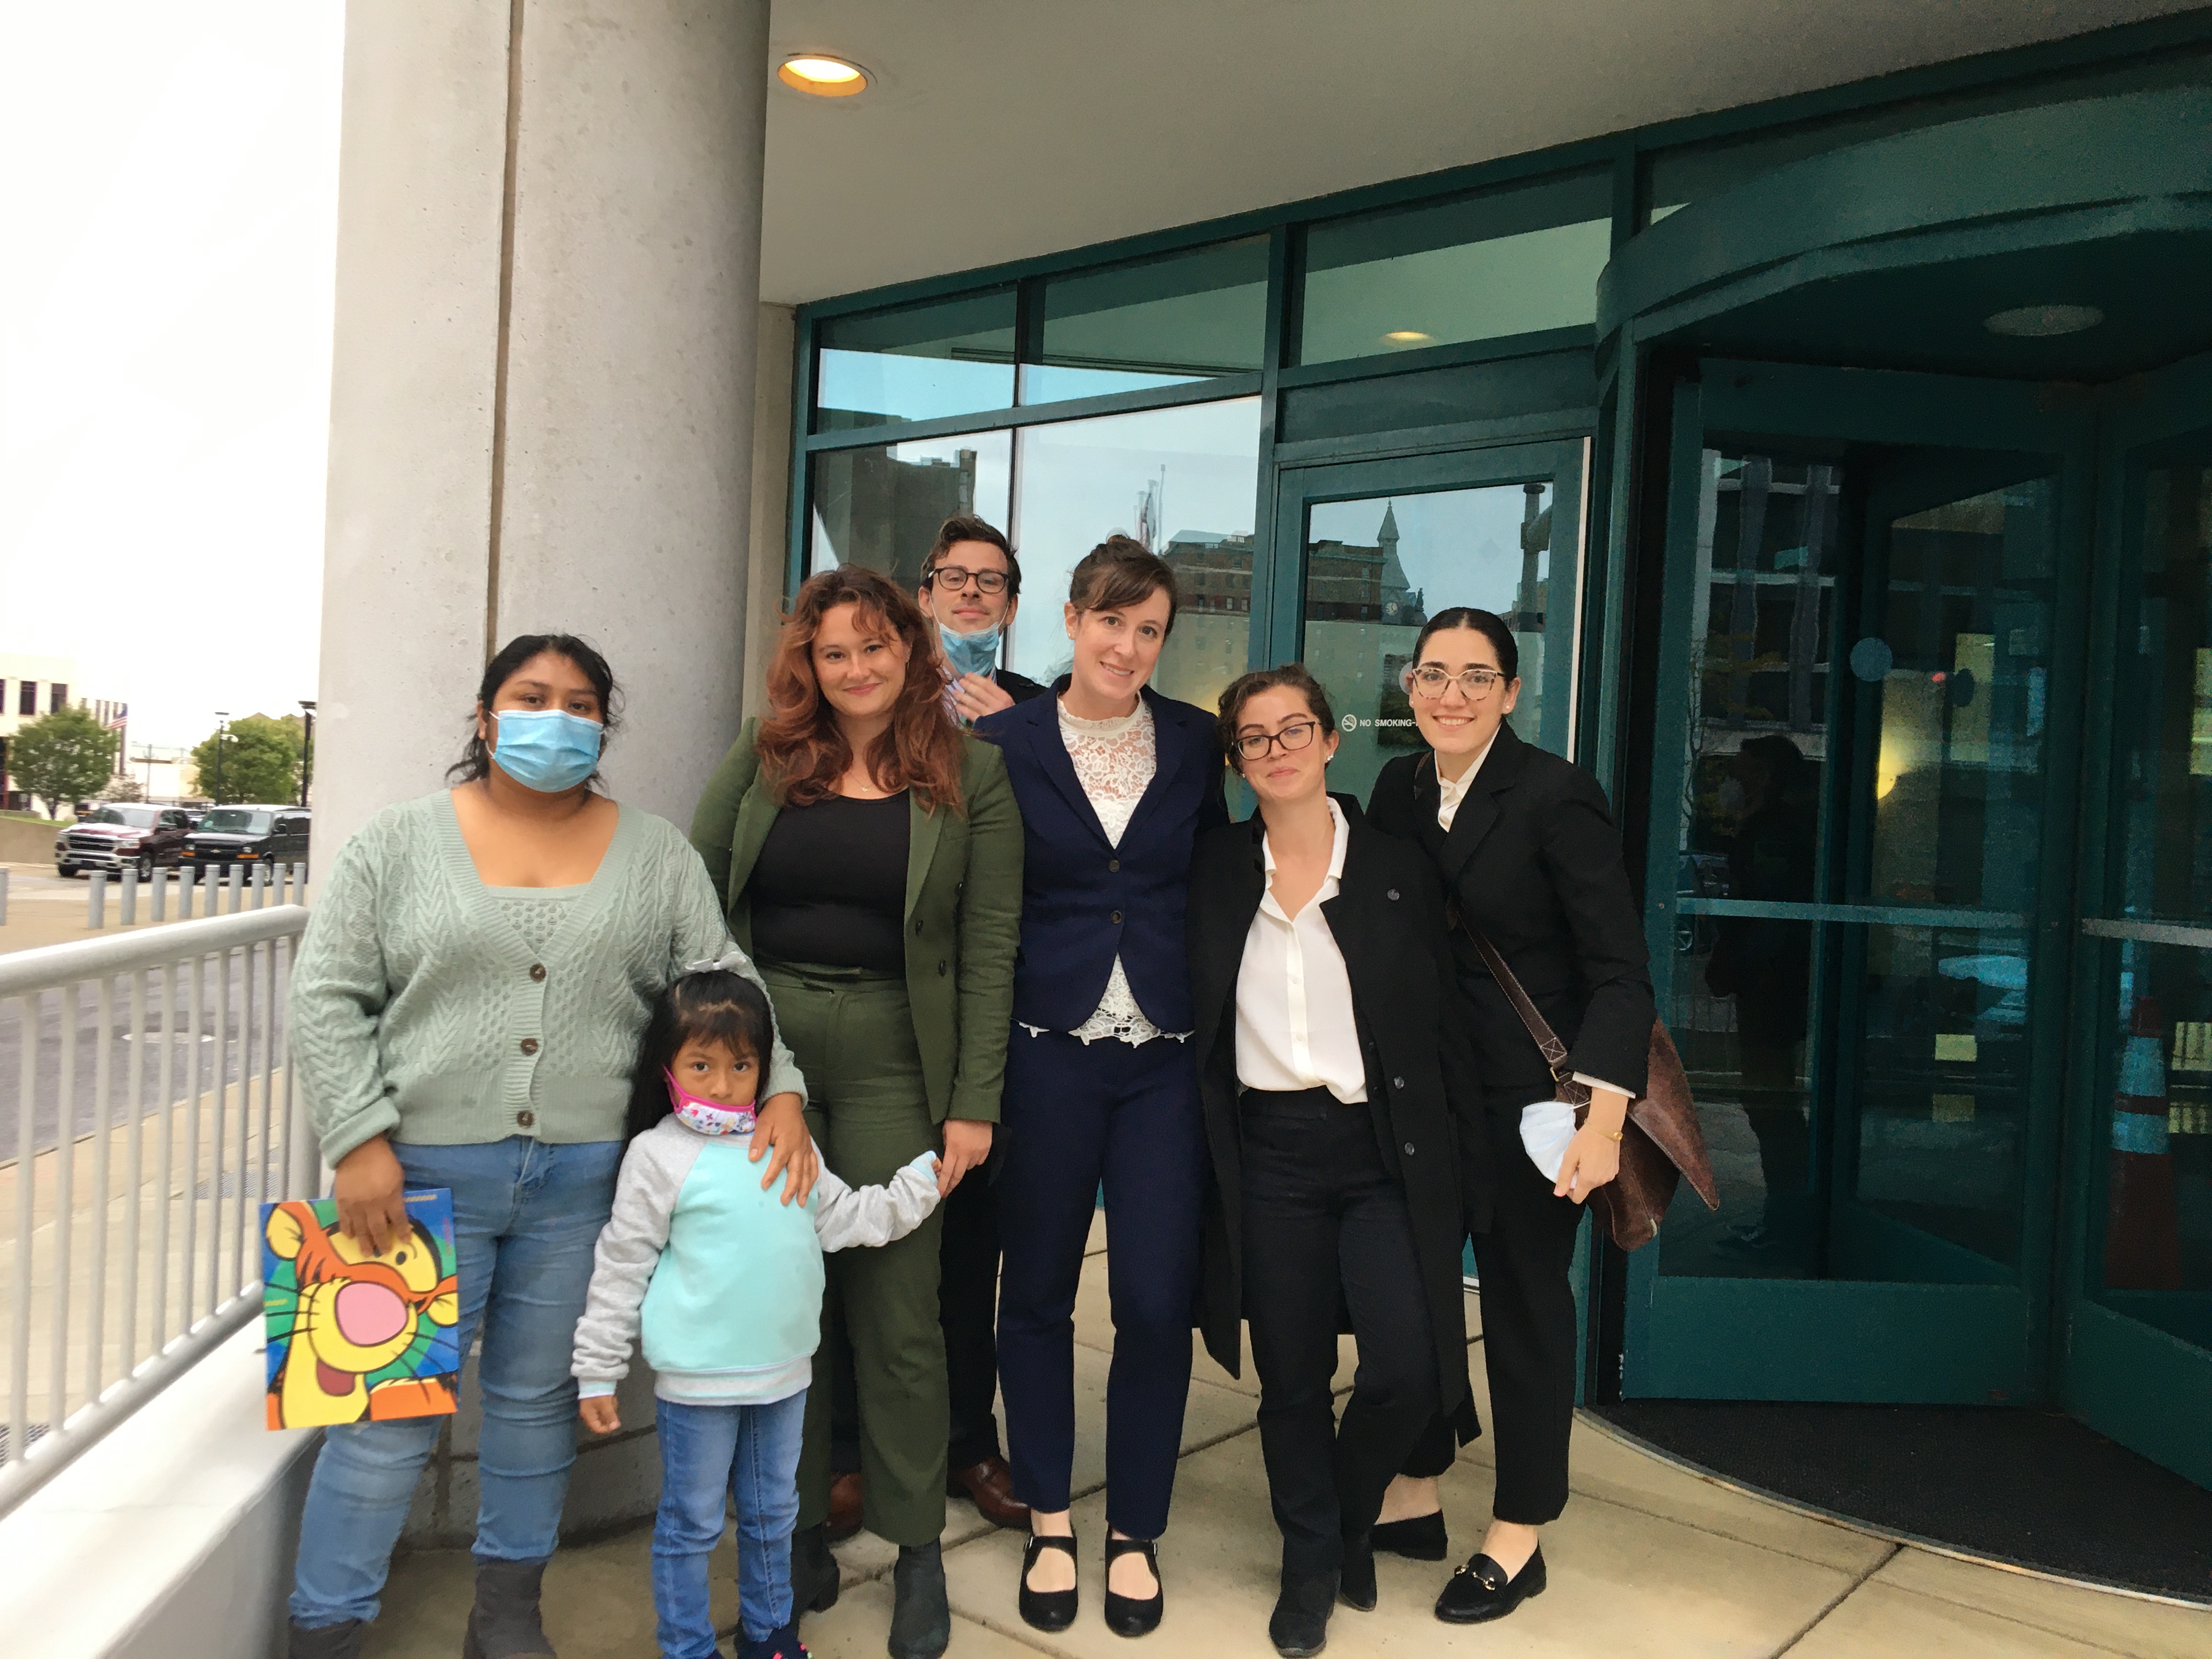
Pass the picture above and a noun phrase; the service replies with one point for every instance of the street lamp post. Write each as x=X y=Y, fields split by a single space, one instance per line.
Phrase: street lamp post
x=306 y=746
x=221 y=721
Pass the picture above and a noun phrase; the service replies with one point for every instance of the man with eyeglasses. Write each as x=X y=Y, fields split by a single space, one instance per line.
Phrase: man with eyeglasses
x=971 y=587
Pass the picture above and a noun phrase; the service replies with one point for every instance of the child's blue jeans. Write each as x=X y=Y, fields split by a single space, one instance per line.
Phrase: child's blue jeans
x=749 y=1454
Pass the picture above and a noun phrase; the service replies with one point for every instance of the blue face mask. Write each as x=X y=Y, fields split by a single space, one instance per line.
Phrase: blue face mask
x=969 y=653
x=546 y=750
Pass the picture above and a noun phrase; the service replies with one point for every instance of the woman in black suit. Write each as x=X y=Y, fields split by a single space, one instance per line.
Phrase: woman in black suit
x=1331 y=1049
x=1528 y=851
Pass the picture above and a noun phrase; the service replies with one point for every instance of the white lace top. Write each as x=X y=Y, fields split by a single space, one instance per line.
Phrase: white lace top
x=1114 y=760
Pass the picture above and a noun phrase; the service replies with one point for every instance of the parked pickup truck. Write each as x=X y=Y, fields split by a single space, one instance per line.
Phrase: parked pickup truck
x=248 y=835
x=123 y=837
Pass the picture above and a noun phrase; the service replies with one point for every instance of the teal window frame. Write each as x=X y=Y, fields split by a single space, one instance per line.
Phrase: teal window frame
x=1953 y=86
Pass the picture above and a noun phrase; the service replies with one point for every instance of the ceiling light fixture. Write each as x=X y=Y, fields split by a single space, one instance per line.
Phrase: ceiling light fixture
x=823 y=77
x=2042 y=322
x=1408 y=337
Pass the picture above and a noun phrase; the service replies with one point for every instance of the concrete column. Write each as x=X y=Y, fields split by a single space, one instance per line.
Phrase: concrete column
x=542 y=408
x=549 y=249
x=771 y=503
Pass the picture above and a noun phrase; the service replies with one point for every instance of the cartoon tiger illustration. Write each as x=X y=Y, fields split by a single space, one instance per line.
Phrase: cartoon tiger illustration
x=355 y=1314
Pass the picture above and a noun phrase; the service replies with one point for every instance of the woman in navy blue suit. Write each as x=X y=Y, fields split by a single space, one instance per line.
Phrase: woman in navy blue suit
x=1116 y=785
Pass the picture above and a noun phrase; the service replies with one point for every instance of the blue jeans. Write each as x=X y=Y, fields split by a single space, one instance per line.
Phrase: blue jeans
x=750 y=1453
x=526 y=1216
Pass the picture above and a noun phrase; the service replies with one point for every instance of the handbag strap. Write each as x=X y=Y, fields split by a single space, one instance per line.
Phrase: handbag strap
x=1547 y=1040
x=1555 y=1052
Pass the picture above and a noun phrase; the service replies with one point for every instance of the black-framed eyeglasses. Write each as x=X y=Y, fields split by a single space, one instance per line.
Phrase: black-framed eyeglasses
x=1430 y=681
x=951 y=578
x=1296 y=735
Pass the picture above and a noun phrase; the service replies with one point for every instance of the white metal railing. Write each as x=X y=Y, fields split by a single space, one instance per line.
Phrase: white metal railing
x=135 y=1247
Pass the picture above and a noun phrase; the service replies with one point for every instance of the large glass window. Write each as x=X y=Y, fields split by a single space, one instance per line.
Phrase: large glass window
x=1155 y=322
x=916 y=363
x=1475 y=268
x=881 y=506
x=2155 y=1260
x=1184 y=481
x=1377 y=569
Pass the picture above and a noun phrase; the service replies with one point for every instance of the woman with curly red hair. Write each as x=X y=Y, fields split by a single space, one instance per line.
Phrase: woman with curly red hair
x=869 y=857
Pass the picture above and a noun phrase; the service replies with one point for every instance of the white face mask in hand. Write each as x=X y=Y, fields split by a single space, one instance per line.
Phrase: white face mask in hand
x=1545 y=1130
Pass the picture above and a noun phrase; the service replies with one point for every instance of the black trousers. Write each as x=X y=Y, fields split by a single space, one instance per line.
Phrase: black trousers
x=1527 y=1329
x=968 y=1310
x=1326 y=1230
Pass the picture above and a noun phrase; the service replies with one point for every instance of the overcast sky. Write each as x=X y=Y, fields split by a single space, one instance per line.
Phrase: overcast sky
x=168 y=200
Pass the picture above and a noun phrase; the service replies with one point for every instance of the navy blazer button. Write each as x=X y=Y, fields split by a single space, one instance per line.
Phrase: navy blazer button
x=1115 y=918
x=1114 y=865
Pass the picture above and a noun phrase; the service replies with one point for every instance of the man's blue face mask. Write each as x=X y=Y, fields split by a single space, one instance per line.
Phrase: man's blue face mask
x=969 y=653
x=547 y=749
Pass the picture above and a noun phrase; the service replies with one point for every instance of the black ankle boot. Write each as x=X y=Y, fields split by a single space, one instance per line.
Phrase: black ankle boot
x=1299 y=1625
x=921 y=1619
x=504 y=1623
x=328 y=1641
x=813 y=1573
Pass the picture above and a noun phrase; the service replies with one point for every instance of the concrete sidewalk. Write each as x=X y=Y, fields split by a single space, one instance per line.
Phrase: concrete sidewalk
x=1649 y=1561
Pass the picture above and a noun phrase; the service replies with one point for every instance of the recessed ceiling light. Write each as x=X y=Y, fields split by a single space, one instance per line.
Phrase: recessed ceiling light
x=825 y=77
x=1408 y=337
x=2042 y=322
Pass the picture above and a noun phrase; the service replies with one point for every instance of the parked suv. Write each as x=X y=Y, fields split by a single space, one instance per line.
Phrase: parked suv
x=119 y=837
x=248 y=835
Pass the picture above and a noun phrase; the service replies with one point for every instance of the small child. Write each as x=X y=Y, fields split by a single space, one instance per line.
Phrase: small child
x=727 y=1281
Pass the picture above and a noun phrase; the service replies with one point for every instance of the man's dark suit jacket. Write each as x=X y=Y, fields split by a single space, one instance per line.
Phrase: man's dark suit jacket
x=1423 y=1093
x=1019 y=687
x=1533 y=860
x=1085 y=899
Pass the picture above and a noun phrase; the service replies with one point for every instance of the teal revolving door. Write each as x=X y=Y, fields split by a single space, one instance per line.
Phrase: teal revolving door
x=1912 y=487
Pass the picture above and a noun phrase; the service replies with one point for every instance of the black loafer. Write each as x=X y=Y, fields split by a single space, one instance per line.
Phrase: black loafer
x=1046 y=1610
x=1480 y=1591
x=1125 y=1615
x=1356 y=1580
x=1419 y=1537
x=1299 y=1625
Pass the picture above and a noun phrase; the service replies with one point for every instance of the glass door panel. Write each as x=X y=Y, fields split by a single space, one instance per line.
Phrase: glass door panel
x=1851 y=788
x=2141 y=1358
x=1383 y=546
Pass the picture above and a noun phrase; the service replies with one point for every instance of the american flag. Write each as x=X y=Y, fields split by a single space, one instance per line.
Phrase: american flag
x=120 y=719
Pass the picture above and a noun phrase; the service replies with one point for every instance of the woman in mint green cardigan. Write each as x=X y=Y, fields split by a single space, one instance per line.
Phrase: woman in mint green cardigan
x=466 y=1006
x=869 y=855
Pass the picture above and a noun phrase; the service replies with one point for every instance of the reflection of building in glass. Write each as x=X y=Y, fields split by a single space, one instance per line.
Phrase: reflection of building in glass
x=1362 y=618
x=1213 y=640
x=874 y=509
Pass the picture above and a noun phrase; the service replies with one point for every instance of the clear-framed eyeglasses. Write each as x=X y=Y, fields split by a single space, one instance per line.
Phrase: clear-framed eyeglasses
x=1299 y=734
x=951 y=578
x=1430 y=681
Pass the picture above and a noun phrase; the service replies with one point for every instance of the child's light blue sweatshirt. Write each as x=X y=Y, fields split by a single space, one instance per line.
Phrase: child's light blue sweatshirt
x=725 y=1277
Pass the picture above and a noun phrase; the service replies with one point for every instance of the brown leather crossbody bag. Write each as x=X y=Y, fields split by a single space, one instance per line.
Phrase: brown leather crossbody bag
x=1661 y=1142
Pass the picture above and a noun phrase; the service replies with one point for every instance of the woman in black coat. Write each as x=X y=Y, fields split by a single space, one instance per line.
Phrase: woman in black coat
x=1526 y=848
x=1331 y=1050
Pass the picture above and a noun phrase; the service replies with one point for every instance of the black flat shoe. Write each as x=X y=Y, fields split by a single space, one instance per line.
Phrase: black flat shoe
x=1480 y=1591
x=1046 y=1610
x=1299 y=1625
x=1420 y=1538
x=1124 y=1615
x=1356 y=1581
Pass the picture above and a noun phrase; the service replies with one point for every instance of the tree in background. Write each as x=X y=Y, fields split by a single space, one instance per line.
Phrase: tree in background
x=63 y=757
x=260 y=760
x=122 y=787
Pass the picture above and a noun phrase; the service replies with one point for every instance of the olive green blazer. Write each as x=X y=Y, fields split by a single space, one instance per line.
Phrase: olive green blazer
x=963 y=912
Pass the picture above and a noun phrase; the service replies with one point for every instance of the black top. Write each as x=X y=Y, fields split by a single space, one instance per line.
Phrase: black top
x=829 y=886
x=1019 y=687
x=1533 y=860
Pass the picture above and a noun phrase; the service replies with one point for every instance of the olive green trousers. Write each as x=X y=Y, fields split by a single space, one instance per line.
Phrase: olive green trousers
x=852 y=1033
